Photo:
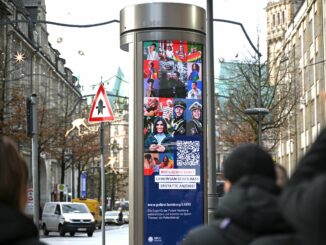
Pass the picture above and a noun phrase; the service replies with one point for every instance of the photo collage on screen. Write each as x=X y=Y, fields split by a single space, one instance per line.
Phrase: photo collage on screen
x=172 y=100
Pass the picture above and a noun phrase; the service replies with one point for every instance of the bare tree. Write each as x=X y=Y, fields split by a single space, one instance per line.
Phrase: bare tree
x=239 y=87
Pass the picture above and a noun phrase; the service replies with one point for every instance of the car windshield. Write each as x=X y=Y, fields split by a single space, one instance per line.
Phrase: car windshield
x=74 y=208
x=112 y=213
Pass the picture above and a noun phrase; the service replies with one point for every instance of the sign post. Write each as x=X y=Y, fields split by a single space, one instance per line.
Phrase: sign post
x=101 y=112
x=167 y=132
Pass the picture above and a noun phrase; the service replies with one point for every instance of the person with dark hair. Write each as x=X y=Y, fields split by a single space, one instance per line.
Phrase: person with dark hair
x=194 y=75
x=151 y=73
x=15 y=227
x=303 y=198
x=150 y=91
x=159 y=140
x=194 y=92
x=165 y=87
x=166 y=163
x=179 y=89
x=148 y=163
x=249 y=208
x=152 y=54
x=178 y=122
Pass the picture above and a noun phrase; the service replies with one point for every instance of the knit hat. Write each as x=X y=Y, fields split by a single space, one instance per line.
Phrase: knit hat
x=248 y=159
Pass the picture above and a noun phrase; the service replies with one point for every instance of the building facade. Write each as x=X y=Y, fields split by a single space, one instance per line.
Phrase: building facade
x=29 y=65
x=301 y=51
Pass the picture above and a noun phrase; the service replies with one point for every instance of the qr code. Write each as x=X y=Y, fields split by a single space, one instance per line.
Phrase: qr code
x=188 y=153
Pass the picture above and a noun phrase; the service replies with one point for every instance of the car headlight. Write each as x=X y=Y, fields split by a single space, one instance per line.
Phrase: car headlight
x=67 y=220
x=92 y=219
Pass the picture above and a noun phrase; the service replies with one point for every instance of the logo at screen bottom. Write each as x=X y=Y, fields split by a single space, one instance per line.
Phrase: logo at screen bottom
x=154 y=239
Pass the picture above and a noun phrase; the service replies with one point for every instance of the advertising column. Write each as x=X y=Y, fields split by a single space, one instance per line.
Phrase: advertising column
x=173 y=139
x=167 y=151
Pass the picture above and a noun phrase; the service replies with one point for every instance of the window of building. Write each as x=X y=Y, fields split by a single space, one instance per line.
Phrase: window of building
x=273 y=19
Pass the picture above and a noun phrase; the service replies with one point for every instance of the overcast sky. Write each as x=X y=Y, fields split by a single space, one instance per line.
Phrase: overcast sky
x=100 y=45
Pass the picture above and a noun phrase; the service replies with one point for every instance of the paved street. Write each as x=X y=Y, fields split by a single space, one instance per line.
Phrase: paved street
x=115 y=235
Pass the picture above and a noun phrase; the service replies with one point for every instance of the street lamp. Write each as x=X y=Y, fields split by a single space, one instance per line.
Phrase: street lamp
x=260 y=112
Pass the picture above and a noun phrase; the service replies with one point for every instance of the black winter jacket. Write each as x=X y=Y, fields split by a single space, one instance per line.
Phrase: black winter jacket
x=248 y=211
x=16 y=228
x=304 y=199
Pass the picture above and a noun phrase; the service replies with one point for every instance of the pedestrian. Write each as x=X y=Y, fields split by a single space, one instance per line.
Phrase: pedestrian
x=249 y=208
x=303 y=198
x=15 y=227
x=120 y=216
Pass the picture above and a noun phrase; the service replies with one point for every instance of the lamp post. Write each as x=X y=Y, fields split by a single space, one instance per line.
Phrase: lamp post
x=260 y=112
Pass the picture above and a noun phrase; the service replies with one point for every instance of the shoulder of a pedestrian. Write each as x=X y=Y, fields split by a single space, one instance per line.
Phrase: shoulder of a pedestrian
x=16 y=227
x=31 y=241
x=252 y=203
x=279 y=239
x=221 y=232
x=303 y=206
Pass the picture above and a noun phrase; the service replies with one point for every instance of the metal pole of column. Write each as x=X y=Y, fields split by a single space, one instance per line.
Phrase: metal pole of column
x=102 y=180
x=259 y=130
x=211 y=149
x=73 y=178
x=259 y=104
x=36 y=199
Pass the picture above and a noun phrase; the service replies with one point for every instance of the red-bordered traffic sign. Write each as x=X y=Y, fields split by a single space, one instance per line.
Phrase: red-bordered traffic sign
x=101 y=109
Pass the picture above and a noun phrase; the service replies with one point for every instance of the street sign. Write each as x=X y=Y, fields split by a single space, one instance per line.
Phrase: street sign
x=29 y=195
x=101 y=109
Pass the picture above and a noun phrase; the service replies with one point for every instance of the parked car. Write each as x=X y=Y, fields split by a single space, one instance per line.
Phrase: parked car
x=69 y=217
x=112 y=217
x=94 y=207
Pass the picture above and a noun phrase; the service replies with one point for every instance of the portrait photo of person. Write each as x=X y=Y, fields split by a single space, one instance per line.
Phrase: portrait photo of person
x=179 y=88
x=195 y=53
x=151 y=88
x=194 y=72
x=151 y=107
x=151 y=163
x=167 y=110
x=159 y=140
x=180 y=51
x=195 y=125
x=151 y=51
x=194 y=92
x=151 y=69
x=179 y=122
x=167 y=161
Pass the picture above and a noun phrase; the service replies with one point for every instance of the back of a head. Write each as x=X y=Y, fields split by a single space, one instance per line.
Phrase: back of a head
x=13 y=174
x=248 y=159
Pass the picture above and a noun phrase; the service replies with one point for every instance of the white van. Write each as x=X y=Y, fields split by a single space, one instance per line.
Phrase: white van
x=69 y=217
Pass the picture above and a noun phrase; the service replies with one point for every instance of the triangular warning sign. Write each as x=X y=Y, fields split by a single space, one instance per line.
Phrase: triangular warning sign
x=101 y=109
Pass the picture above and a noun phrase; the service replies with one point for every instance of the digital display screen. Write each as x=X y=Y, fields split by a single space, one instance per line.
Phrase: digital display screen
x=173 y=139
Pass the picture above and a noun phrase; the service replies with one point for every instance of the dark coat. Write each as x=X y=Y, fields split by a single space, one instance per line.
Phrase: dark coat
x=283 y=239
x=304 y=199
x=16 y=228
x=248 y=211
